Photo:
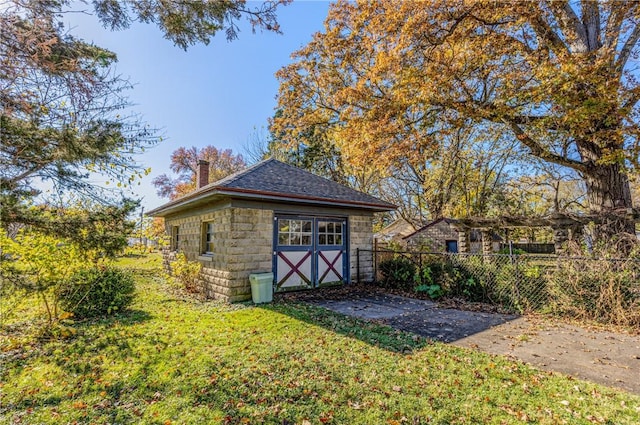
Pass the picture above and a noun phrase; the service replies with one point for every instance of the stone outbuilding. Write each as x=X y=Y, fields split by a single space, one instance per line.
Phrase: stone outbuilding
x=442 y=235
x=271 y=217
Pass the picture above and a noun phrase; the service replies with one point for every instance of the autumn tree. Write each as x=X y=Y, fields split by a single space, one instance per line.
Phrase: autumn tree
x=546 y=189
x=556 y=74
x=336 y=98
x=184 y=163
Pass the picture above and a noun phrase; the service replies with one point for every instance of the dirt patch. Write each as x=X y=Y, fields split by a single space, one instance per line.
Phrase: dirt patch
x=605 y=357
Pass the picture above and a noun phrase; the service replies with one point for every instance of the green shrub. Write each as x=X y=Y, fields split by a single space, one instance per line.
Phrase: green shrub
x=97 y=291
x=434 y=291
x=398 y=272
x=186 y=272
x=424 y=276
x=470 y=277
x=513 y=251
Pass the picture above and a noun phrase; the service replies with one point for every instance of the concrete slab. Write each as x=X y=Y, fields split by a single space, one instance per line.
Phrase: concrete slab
x=448 y=325
x=605 y=357
x=375 y=307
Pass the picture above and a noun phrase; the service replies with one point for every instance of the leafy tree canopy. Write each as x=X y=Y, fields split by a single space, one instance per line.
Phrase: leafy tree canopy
x=388 y=79
x=64 y=111
x=184 y=162
x=186 y=23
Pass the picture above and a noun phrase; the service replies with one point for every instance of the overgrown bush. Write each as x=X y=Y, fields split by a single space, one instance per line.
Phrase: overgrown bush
x=470 y=277
x=398 y=272
x=186 y=272
x=32 y=262
x=605 y=291
x=97 y=291
x=511 y=251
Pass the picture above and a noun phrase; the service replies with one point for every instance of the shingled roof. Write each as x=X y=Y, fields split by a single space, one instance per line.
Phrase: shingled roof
x=272 y=180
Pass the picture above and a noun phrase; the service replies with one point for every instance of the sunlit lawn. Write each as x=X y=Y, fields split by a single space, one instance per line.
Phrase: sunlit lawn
x=174 y=359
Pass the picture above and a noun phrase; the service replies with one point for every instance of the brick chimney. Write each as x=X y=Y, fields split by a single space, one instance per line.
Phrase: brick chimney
x=202 y=175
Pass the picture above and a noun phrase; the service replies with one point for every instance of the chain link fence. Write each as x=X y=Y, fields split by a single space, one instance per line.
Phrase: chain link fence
x=606 y=290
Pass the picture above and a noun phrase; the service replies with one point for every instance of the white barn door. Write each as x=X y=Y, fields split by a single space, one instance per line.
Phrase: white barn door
x=309 y=252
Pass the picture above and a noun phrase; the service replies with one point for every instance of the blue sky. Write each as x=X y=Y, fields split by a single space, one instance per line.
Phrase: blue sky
x=216 y=94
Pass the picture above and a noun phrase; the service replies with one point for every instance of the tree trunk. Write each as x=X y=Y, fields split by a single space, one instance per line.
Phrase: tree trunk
x=609 y=196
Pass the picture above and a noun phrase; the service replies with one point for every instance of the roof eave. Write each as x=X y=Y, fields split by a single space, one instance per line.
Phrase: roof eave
x=180 y=204
x=258 y=194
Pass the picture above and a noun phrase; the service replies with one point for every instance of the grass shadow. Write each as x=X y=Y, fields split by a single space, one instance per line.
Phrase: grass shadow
x=128 y=317
x=376 y=334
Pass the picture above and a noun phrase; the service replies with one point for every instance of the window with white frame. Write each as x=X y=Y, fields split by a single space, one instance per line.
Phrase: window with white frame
x=207 y=238
x=294 y=232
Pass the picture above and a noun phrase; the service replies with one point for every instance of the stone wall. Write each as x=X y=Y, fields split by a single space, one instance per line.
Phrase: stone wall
x=248 y=249
x=242 y=245
x=433 y=238
x=167 y=257
x=361 y=236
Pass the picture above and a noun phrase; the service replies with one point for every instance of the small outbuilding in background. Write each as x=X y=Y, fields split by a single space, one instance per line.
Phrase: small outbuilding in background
x=442 y=235
x=271 y=217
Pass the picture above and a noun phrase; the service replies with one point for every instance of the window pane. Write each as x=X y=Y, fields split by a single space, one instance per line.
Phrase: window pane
x=322 y=239
x=306 y=240
x=329 y=227
x=338 y=239
x=283 y=239
x=322 y=227
x=306 y=226
x=283 y=225
x=295 y=226
x=296 y=239
x=329 y=239
x=207 y=237
x=338 y=227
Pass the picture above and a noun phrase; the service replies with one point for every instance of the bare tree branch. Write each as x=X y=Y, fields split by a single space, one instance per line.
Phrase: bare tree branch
x=537 y=150
x=571 y=26
x=591 y=23
x=631 y=43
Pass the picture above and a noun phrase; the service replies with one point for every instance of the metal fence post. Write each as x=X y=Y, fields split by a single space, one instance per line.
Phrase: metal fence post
x=517 y=282
x=374 y=260
x=358 y=264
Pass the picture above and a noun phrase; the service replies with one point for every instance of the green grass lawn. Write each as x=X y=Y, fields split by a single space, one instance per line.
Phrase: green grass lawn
x=174 y=359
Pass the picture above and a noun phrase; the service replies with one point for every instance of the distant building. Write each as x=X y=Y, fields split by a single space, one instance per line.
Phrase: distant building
x=441 y=236
x=394 y=234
